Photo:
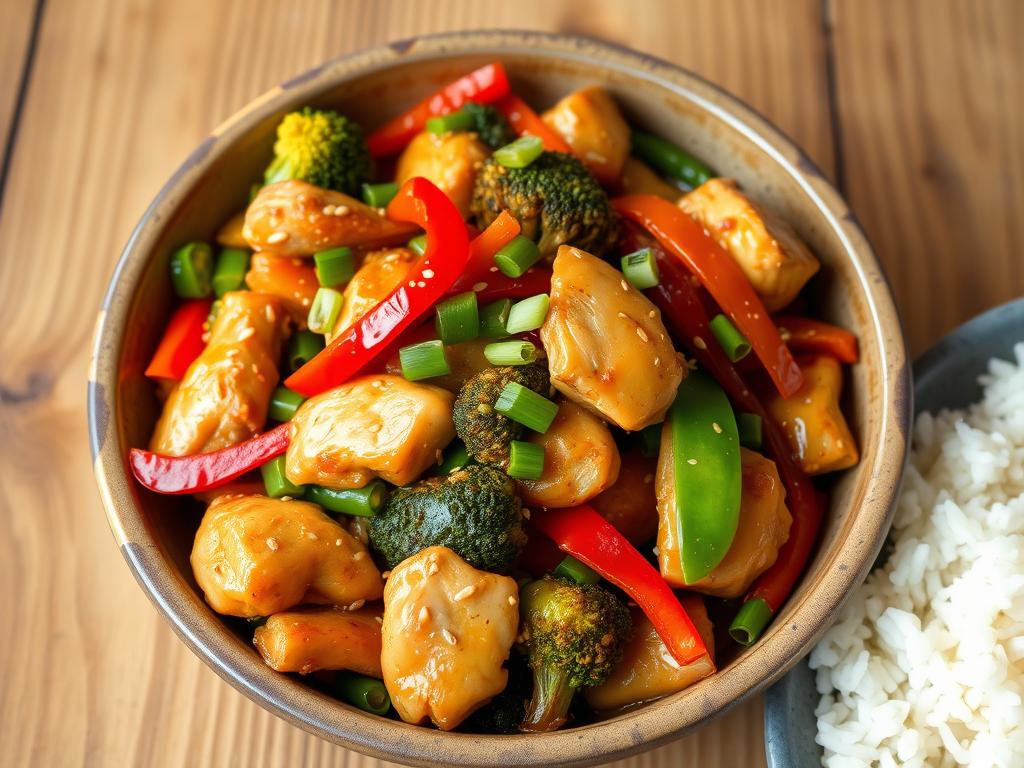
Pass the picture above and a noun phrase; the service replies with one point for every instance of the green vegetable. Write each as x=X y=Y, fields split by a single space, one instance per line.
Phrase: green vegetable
x=517 y=256
x=320 y=147
x=750 y=621
x=487 y=433
x=732 y=342
x=510 y=353
x=367 y=693
x=640 y=269
x=505 y=712
x=283 y=404
x=706 y=472
x=525 y=406
x=458 y=318
x=555 y=199
x=229 y=274
x=520 y=153
x=456 y=457
x=326 y=309
x=303 y=347
x=335 y=266
x=424 y=360
x=192 y=271
x=490 y=125
x=575 y=637
x=473 y=511
x=528 y=314
x=670 y=159
x=359 y=502
x=275 y=480
x=525 y=460
x=494 y=317
x=572 y=569
x=749 y=427
x=418 y=245
x=453 y=121
x=379 y=195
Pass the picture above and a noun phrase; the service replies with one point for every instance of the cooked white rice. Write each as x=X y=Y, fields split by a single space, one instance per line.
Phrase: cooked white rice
x=926 y=664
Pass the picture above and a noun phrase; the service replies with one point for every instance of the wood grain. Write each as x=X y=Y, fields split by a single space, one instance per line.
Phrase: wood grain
x=15 y=36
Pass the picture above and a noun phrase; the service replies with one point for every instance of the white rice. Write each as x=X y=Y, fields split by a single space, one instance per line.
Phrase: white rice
x=926 y=664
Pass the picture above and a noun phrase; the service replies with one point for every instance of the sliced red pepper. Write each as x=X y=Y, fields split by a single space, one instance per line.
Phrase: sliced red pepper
x=685 y=239
x=526 y=122
x=482 y=248
x=804 y=334
x=182 y=341
x=498 y=286
x=442 y=262
x=484 y=85
x=588 y=537
x=203 y=471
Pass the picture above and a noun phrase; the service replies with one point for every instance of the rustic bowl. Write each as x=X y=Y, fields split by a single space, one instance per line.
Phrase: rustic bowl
x=155 y=533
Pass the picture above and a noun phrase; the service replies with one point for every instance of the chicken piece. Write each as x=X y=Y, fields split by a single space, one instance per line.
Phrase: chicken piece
x=629 y=503
x=381 y=272
x=450 y=160
x=590 y=122
x=372 y=426
x=465 y=359
x=638 y=179
x=762 y=529
x=580 y=459
x=324 y=638
x=223 y=397
x=255 y=556
x=448 y=629
x=769 y=252
x=291 y=279
x=230 y=233
x=293 y=218
x=607 y=347
x=647 y=670
x=812 y=419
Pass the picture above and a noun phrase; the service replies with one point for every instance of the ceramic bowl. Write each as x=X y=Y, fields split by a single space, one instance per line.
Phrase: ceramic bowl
x=945 y=377
x=155 y=533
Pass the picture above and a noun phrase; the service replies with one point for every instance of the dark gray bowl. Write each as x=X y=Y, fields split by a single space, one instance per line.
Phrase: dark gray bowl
x=946 y=376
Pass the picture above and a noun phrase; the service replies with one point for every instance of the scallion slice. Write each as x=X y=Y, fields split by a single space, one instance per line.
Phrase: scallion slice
x=192 y=271
x=424 y=360
x=456 y=457
x=525 y=406
x=276 y=481
x=494 y=318
x=640 y=269
x=229 y=274
x=335 y=266
x=510 y=353
x=360 y=502
x=379 y=195
x=749 y=427
x=750 y=621
x=520 y=153
x=453 y=121
x=458 y=318
x=303 y=347
x=284 y=403
x=572 y=569
x=528 y=314
x=418 y=245
x=324 y=312
x=525 y=460
x=732 y=342
x=517 y=256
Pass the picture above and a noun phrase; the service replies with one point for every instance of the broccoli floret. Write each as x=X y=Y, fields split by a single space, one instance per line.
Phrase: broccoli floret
x=320 y=147
x=487 y=433
x=505 y=712
x=490 y=125
x=555 y=198
x=575 y=634
x=473 y=511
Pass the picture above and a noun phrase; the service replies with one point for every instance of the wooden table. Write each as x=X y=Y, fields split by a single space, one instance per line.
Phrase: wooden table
x=915 y=109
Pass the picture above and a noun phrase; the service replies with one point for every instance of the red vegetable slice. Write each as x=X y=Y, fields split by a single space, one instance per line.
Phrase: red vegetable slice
x=526 y=122
x=182 y=341
x=804 y=334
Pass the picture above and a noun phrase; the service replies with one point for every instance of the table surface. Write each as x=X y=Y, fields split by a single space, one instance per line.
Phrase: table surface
x=914 y=108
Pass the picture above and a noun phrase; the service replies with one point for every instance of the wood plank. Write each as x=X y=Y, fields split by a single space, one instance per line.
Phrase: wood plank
x=15 y=35
x=122 y=90
x=931 y=102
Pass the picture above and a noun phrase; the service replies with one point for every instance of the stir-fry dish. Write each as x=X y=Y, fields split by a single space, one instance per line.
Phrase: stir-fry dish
x=502 y=421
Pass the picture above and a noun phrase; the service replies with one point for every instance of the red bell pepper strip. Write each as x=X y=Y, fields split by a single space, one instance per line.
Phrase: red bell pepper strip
x=804 y=334
x=182 y=341
x=497 y=286
x=526 y=122
x=442 y=262
x=482 y=248
x=484 y=85
x=588 y=537
x=685 y=239
x=203 y=471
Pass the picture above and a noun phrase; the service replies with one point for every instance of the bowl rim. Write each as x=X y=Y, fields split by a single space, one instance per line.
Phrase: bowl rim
x=643 y=728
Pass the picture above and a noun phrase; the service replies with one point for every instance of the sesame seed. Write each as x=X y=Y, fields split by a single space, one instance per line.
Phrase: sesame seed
x=272 y=544
x=305 y=301
x=465 y=592
x=412 y=283
x=657 y=361
x=270 y=314
x=206 y=337
x=622 y=315
x=512 y=601
x=328 y=210
x=479 y=286
x=379 y=619
x=715 y=426
x=385 y=574
x=424 y=614
x=341 y=210
x=428 y=273
x=692 y=462
x=312 y=536
x=358 y=555
x=246 y=334
x=624 y=284
x=640 y=332
x=656 y=551
x=338 y=542
x=652 y=314
x=247 y=232
x=302 y=281
x=421 y=284
x=432 y=569
x=699 y=343
x=493 y=269
x=277 y=237
x=356 y=605
x=449 y=637
x=254 y=368
x=526 y=513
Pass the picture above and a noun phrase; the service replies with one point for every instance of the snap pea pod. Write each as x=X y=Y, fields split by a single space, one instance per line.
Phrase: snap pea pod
x=670 y=159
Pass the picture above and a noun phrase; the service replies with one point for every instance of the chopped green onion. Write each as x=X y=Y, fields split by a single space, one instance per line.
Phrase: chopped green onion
x=510 y=353
x=284 y=403
x=418 y=245
x=520 y=153
x=528 y=314
x=456 y=457
x=424 y=360
x=458 y=318
x=453 y=121
x=229 y=274
x=325 y=310
x=192 y=270
x=525 y=460
x=303 y=347
x=379 y=195
x=650 y=439
x=517 y=256
x=749 y=427
x=640 y=268
x=525 y=406
x=360 y=502
x=276 y=481
x=572 y=569
x=670 y=159
x=494 y=318
x=732 y=342
x=335 y=266
x=367 y=693
x=750 y=621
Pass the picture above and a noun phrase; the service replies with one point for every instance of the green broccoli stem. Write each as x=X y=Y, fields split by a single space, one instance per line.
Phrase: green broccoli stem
x=549 y=706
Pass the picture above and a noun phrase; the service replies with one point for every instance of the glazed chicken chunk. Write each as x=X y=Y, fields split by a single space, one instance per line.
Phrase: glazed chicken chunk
x=590 y=122
x=448 y=629
x=323 y=638
x=381 y=272
x=256 y=556
x=290 y=278
x=450 y=160
x=372 y=426
x=607 y=347
x=223 y=398
x=769 y=252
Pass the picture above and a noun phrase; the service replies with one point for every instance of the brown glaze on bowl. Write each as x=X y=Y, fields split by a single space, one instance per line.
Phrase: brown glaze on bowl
x=155 y=533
